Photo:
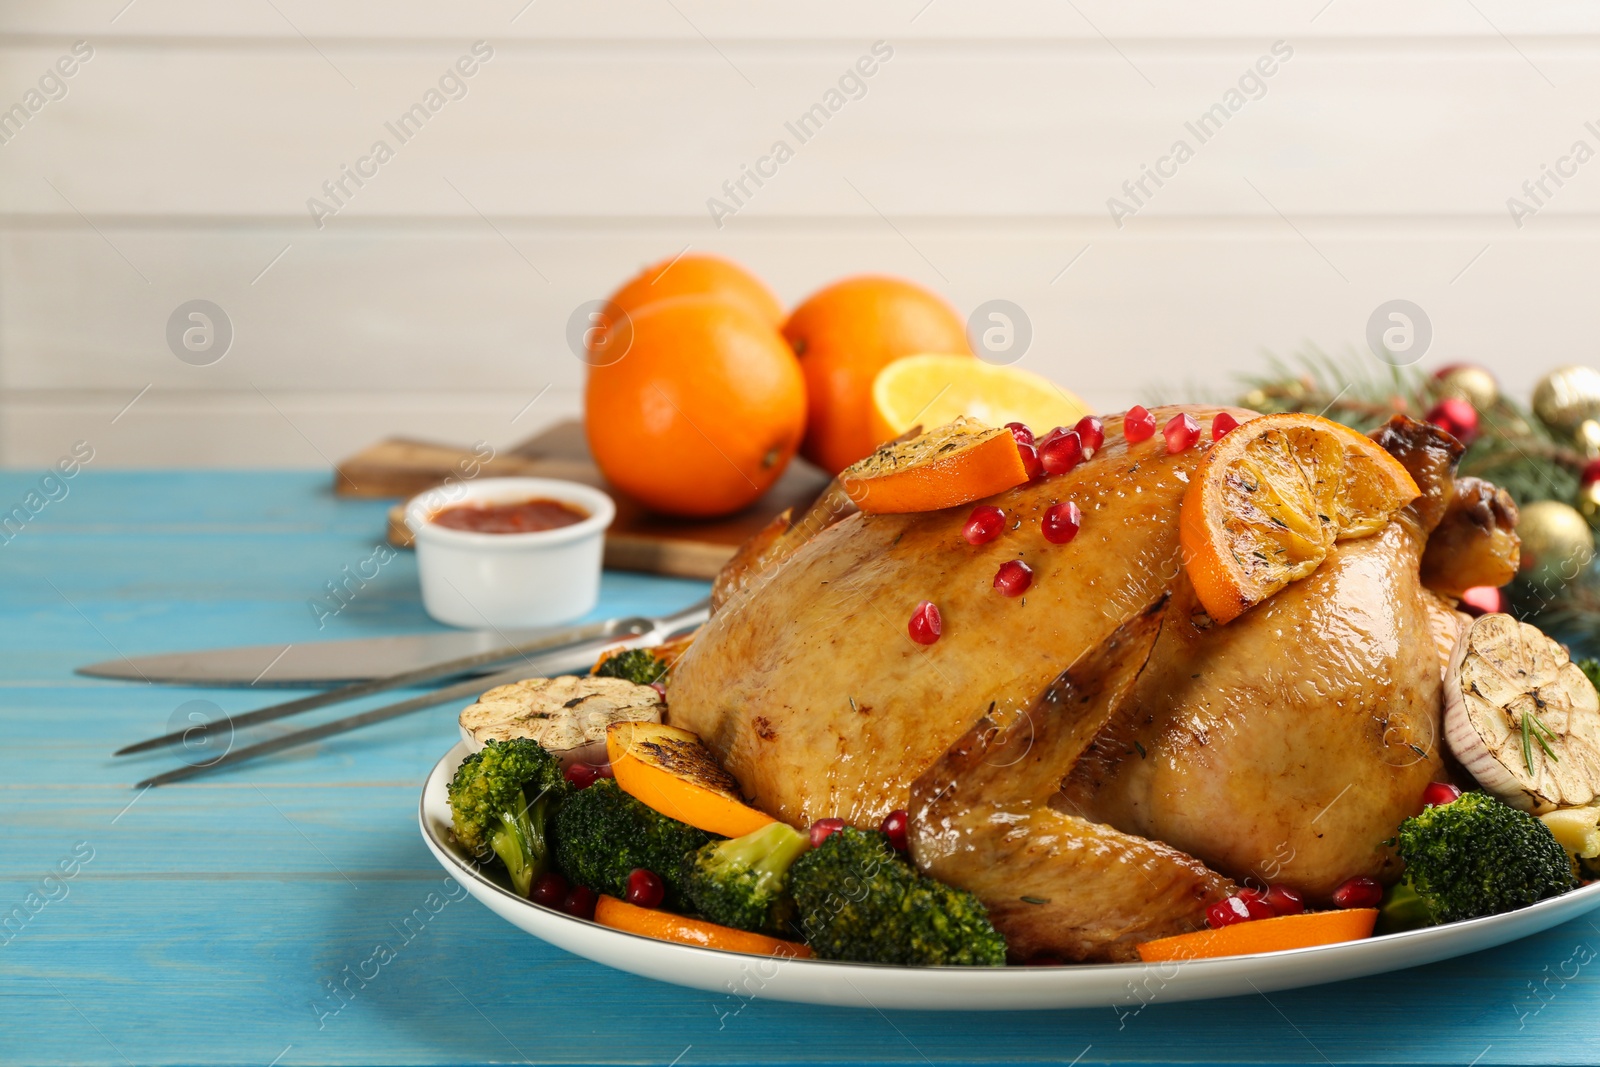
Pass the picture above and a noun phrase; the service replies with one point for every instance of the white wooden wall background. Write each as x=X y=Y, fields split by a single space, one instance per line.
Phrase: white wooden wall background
x=1376 y=165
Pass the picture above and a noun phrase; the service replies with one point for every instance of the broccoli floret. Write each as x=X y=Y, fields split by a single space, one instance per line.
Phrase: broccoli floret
x=744 y=882
x=1591 y=670
x=501 y=800
x=860 y=900
x=602 y=834
x=638 y=665
x=1478 y=856
x=1402 y=909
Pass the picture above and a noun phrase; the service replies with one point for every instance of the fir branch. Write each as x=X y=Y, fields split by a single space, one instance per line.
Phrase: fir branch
x=1353 y=389
x=1569 y=613
x=1513 y=450
x=1519 y=455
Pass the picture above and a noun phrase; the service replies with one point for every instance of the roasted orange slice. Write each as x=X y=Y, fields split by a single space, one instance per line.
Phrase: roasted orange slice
x=933 y=389
x=1272 y=497
x=668 y=769
x=957 y=463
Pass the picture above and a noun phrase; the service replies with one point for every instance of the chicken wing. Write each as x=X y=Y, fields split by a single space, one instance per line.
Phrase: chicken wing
x=986 y=817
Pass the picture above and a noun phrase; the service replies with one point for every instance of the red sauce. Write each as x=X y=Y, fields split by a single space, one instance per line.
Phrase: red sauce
x=526 y=516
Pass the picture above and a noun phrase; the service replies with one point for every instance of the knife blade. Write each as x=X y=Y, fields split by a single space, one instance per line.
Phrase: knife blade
x=559 y=660
x=554 y=663
x=311 y=664
x=589 y=638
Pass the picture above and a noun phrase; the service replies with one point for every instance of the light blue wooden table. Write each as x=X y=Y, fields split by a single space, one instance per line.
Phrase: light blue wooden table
x=206 y=923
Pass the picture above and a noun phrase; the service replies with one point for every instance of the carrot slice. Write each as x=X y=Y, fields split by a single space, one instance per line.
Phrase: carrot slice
x=955 y=464
x=1264 y=935
x=665 y=926
x=672 y=772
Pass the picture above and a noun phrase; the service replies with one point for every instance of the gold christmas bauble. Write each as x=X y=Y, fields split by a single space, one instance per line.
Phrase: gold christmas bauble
x=1471 y=383
x=1556 y=543
x=1589 y=504
x=1565 y=397
x=1587 y=439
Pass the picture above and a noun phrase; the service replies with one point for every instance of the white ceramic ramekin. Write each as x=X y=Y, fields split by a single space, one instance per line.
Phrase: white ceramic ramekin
x=483 y=580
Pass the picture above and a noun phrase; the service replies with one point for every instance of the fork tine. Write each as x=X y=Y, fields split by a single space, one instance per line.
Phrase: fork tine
x=569 y=657
x=337 y=726
x=610 y=630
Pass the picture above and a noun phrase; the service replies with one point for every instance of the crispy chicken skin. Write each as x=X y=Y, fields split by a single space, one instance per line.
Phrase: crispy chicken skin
x=809 y=688
x=1285 y=746
x=987 y=817
x=1475 y=542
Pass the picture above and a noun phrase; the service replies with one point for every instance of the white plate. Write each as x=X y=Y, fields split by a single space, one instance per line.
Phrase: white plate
x=975 y=988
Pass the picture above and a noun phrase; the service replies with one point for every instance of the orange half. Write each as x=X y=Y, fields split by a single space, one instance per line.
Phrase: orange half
x=936 y=389
x=1272 y=497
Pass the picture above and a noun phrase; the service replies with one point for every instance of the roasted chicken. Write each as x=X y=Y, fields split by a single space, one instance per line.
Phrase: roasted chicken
x=1096 y=758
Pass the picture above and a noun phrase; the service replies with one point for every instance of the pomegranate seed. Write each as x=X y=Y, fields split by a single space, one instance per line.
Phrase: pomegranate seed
x=645 y=888
x=550 y=890
x=1051 y=435
x=1021 y=432
x=1284 y=901
x=1182 y=432
x=822 y=829
x=1092 y=432
x=1138 y=425
x=1483 y=600
x=1060 y=523
x=580 y=902
x=1222 y=425
x=1438 y=794
x=925 y=625
x=1030 y=461
x=1013 y=577
x=1456 y=417
x=1246 y=907
x=1358 y=893
x=582 y=775
x=984 y=524
x=1256 y=903
x=894 y=825
x=1061 y=454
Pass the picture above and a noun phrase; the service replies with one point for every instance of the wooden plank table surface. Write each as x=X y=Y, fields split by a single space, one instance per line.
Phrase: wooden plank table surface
x=209 y=922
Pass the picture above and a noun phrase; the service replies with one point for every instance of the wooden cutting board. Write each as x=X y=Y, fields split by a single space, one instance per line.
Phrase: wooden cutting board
x=638 y=540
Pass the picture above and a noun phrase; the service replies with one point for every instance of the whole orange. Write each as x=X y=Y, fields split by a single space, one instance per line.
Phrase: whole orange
x=844 y=335
x=697 y=275
x=703 y=411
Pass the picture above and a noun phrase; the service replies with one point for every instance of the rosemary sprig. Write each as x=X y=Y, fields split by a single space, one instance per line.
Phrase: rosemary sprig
x=1534 y=730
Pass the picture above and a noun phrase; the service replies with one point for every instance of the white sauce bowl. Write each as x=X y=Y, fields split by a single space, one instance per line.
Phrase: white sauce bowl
x=495 y=580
